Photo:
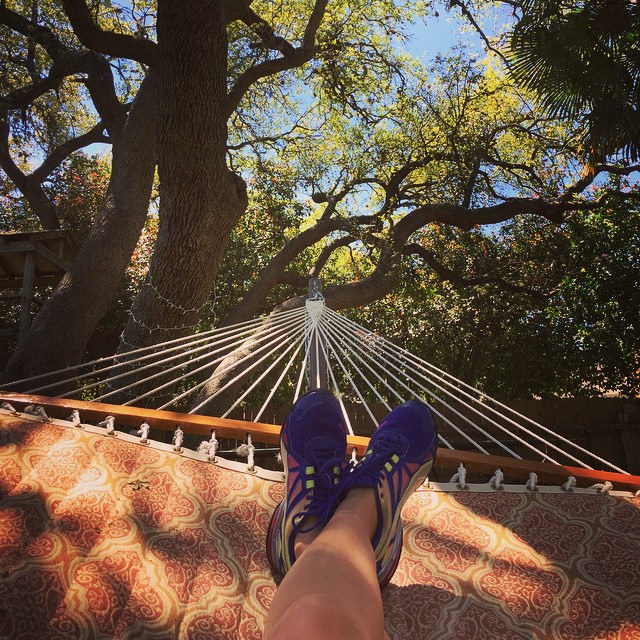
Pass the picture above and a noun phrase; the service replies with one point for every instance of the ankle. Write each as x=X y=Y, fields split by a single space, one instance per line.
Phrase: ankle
x=361 y=502
x=303 y=541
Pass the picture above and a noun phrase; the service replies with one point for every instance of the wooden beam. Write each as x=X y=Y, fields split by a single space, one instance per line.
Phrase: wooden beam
x=39 y=281
x=20 y=236
x=27 y=295
x=17 y=247
x=53 y=258
x=270 y=433
x=8 y=271
x=134 y=416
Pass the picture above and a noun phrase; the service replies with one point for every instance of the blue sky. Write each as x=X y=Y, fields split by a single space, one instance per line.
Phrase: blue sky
x=437 y=35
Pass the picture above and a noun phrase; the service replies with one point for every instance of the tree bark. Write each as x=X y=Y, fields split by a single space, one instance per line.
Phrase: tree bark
x=60 y=331
x=200 y=199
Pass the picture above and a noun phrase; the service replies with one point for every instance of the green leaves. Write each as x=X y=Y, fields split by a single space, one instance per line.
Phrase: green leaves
x=583 y=61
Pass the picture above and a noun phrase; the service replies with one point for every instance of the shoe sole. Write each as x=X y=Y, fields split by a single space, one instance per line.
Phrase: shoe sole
x=418 y=478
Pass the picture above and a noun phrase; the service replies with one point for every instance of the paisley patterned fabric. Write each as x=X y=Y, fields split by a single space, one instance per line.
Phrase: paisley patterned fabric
x=101 y=538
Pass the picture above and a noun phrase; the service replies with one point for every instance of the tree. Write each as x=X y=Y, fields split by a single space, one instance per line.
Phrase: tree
x=582 y=61
x=531 y=309
x=360 y=125
x=200 y=199
x=472 y=145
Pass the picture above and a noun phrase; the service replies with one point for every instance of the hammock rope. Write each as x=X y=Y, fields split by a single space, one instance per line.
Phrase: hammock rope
x=357 y=364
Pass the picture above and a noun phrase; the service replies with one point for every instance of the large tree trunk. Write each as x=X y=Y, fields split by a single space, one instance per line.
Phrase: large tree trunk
x=200 y=199
x=60 y=331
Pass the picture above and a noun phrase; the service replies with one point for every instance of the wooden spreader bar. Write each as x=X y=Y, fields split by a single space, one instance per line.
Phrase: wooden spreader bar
x=270 y=433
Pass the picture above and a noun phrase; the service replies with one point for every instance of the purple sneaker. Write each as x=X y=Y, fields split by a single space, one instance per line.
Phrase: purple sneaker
x=399 y=458
x=313 y=443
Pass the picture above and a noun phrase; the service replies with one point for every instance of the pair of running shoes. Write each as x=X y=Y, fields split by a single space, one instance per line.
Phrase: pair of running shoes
x=313 y=443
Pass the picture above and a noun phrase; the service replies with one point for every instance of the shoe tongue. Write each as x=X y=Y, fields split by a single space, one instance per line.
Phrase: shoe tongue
x=320 y=449
x=388 y=442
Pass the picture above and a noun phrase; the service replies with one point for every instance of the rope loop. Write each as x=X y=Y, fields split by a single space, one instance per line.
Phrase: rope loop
x=74 y=419
x=8 y=407
x=532 y=482
x=460 y=478
x=497 y=480
x=110 y=425
x=602 y=487
x=144 y=432
x=178 y=438
x=247 y=449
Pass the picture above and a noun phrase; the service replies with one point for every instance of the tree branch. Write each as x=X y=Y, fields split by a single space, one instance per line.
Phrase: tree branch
x=586 y=180
x=24 y=96
x=66 y=62
x=326 y=253
x=118 y=45
x=465 y=12
x=271 y=274
x=293 y=279
x=453 y=276
x=295 y=58
x=381 y=282
x=44 y=209
x=42 y=35
x=263 y=30
x=63 y=151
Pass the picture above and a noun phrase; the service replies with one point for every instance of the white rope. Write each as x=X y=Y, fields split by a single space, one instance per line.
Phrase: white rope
x=462 y=416
x=74 y=418
x=569 y=484
x=144 y=432
x=204 y=367
x=419 y=362
x=281 y=378
x=445 y=404
x=265 y=334
x=446 y=420
x=502 y=428
x=532 y=482
x=247 y=450
x=110 y=424
x=354 y=343
x=91 y=363
x=346 y=373
x=335 y=384
x=266 y=372
x=291 y=335
x=497 y=480
x=9 y=407
x=303 y=368
x=237 y=339
x=184 y=394
x=602 y=487
x=460 y=477
x=195 y=340
x=213 y=446
x=37 y=411
x=178 y=438
x=335 y=340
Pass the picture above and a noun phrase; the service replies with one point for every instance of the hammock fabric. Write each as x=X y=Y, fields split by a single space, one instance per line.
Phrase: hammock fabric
x=102 y=538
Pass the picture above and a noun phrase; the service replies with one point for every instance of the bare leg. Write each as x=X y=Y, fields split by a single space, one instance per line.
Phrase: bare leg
x=332 y=592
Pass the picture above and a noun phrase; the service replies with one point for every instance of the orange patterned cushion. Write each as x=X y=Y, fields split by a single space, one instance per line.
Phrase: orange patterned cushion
x=88 y=552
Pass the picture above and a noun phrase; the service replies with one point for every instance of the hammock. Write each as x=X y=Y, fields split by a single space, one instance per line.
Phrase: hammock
x=103 y=537
x=108 y=534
